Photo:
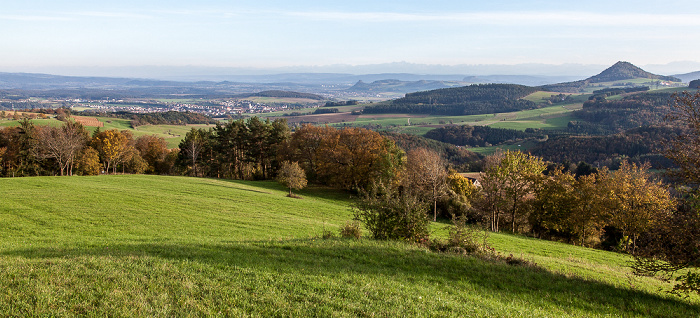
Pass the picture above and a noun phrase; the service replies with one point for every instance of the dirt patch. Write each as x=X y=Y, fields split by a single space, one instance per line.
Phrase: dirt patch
x=88 y=121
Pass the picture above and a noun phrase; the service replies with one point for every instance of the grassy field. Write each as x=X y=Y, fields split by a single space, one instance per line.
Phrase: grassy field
x=172 y=134
x=176 y=246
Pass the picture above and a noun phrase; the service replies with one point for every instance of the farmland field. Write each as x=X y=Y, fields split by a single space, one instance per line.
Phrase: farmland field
x=175 y=246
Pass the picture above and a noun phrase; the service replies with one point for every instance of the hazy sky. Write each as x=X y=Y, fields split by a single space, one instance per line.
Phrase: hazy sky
x=282 y=33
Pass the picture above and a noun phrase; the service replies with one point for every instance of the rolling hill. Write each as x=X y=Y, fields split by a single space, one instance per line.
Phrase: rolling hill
x=139 y=245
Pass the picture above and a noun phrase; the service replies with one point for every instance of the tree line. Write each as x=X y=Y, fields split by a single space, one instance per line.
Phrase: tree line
x=29 y=150
x=479 y=136
x=348 y=158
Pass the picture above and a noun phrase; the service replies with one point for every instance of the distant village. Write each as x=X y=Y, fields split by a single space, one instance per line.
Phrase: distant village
x=211 y=108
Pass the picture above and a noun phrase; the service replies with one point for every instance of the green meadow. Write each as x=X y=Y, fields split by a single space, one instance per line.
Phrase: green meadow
x=175 y=246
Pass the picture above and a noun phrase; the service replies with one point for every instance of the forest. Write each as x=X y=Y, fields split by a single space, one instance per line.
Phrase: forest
x=480 y=136
x=644 y=144
x=467 y=100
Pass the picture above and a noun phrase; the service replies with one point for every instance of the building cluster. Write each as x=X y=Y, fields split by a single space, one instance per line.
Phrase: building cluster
x=211 y=108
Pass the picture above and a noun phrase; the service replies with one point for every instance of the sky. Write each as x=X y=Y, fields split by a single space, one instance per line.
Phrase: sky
x=272 y=34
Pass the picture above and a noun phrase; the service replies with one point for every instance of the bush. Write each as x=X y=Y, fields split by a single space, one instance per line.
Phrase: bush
x=392 y=213
x=351 y=230
x=462 y=239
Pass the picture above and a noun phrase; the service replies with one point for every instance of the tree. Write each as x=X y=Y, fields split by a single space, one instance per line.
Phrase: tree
x=88 y=162
x=553 y=204
x=634 y=202
x=349 y=158
x=586 y=219
x=112 y=145
x=62 y=144
x=303 y=146
x=684 y=150
x=153 y=150
x=673 y=243
x=191 y=147
x=426 y=169
x=461 y=185
x=391 y=212
x=507 y=182
x=291 y=175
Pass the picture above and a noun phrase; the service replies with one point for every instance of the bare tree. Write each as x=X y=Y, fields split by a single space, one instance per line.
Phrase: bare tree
x=62 y=144
x=426 y=169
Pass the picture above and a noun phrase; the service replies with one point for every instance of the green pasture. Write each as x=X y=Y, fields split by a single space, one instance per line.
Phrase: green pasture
x=38 y=122
x=175 y=246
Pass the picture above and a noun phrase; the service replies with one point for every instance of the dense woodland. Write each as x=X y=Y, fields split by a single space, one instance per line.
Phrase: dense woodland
x=468 y=100
x=601 y=116
x=640 y=145
x=456 y=158
x=480 y=136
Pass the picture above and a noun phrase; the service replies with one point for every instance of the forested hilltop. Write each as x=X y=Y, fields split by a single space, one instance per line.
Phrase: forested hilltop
x=467 y=100
x=620 y=71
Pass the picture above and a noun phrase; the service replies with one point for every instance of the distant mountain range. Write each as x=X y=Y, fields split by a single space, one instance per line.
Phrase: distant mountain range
x=193 y=73
x=688 y=76
x=320 y=82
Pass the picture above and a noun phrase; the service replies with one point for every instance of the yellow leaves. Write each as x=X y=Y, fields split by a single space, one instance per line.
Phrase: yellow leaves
x=461 y=185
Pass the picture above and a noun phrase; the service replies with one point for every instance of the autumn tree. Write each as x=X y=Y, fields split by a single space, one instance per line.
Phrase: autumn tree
x=19 y=158
x=633 y=200
x=304 y=147
x=349 y=158
x=461 y=185
x=153 y=150
x=567 y=207
x=507 y=182
x=553 y=204
x=427 y=170
x=684 y=150
x=671 y=248
x=112 y=145
x=587 y=218
x=292 y=176
x=88 y=162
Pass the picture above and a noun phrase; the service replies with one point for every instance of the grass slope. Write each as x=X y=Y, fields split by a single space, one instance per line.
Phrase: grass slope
x=176 y=246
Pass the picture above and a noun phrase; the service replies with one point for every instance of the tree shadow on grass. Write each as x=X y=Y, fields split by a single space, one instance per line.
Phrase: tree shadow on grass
x=394 y=261
x=313 y=191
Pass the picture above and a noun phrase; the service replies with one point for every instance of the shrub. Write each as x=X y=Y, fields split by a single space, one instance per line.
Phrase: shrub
x=462 y=239
x=391 y=212
x=351 y=230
